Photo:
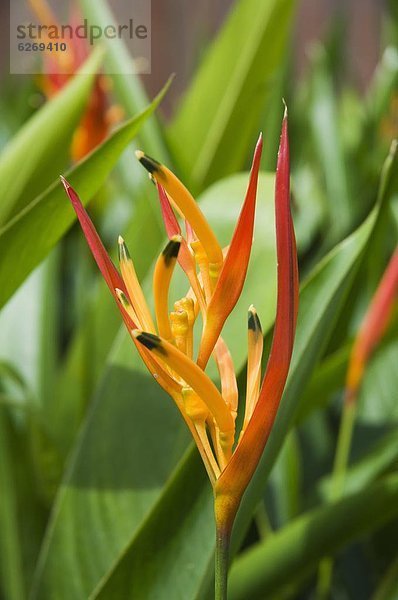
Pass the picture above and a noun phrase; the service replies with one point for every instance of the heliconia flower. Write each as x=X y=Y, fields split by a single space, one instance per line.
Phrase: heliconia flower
x=215 y=278
x=60 y=67
x=372 y=328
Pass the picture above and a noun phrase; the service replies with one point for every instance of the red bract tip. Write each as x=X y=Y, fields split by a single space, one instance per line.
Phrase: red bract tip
x=106 y=266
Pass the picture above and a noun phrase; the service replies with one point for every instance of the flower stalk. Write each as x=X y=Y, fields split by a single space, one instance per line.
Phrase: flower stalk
x=215 y=277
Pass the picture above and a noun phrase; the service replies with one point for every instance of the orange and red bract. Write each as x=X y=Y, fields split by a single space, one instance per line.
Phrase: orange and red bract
x=59 y=67
x=209 y=413
x=234 y=480
x=373 y=327
x=233 y=274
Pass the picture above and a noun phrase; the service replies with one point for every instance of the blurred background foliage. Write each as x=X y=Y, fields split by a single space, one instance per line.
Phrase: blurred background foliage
x=101 y=495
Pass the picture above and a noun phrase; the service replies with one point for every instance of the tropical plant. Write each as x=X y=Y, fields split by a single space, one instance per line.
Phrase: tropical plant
x=103 y=493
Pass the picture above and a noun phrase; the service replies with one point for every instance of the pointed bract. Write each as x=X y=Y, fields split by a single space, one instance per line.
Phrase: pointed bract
x=372 y=328
x=106 y=266
x=232 y=277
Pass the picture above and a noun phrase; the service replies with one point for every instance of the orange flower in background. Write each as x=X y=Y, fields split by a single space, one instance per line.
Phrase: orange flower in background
x=216 y=277
x=59 y=67
x=372 y=328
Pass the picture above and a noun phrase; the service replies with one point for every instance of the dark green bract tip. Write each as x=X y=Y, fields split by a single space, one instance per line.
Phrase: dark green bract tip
x=254 y=322
x=149 y=340
x=171 y=251
x=149 y=163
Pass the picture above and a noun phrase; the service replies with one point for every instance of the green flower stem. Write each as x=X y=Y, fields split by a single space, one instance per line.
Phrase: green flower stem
x=343 y=450
x=340 y=465
x=223 y=536
x=225 y=508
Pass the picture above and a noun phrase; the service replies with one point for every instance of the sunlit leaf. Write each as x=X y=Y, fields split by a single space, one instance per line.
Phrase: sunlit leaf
x=27 y=238
x=35 y=156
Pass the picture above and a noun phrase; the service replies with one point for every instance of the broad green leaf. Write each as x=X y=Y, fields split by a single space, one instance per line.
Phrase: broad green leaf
x=220 y=114
x=139 y=574
x=40 y=149
x=28 y=238
x=293 y=553
x=115 y=479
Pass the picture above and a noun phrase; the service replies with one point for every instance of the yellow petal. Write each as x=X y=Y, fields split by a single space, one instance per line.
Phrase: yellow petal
x=133 y=287
x=187 y=305
x=179 y=329
x=161 y=282
x=229 y=387
x=255 y=351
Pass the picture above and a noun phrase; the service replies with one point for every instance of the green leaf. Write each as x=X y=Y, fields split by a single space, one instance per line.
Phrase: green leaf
x=330 y=376
x=382 y=86
x=388 y=589
x=140 y=574
x=293 y=553
x=220 y=114
x=285 y=480
x=28 y=238
x=40 y=150
x=115 y=479
x=328 y=146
